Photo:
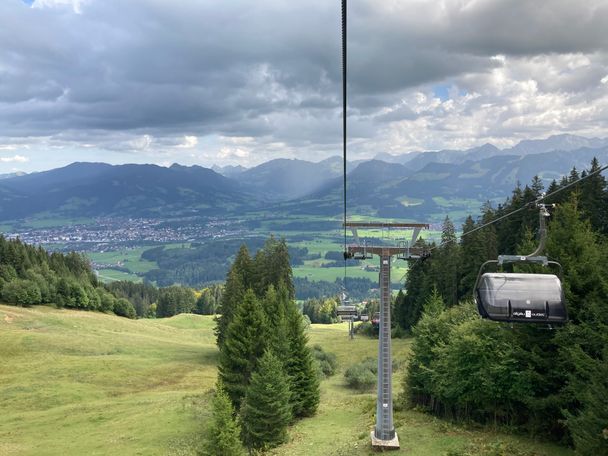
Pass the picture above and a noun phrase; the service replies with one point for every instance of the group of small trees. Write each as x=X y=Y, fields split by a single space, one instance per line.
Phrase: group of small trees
x=551 y=382
x=265 y=366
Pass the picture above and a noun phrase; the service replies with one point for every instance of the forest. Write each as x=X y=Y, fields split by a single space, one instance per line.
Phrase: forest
x=546 y=381
x=31 y=275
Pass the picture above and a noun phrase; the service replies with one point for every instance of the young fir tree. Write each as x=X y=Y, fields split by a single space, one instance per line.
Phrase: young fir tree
x=300 y=366
x=246 y=340
x=266 y=413
x=224 y=431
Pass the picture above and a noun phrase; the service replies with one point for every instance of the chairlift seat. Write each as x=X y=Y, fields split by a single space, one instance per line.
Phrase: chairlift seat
x=519 y=297
x=347 y=311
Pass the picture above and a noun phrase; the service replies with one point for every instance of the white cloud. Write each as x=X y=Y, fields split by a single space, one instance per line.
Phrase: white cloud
x=14 y=159
x=76 y=5
x=190 y=142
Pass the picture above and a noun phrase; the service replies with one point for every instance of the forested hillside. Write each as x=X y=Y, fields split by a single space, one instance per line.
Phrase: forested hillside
x=545 y=381
x=31 y=275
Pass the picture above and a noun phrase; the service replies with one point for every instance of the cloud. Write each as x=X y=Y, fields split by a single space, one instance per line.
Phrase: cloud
x=14 y=159
x=156 y=78
x=75 y=5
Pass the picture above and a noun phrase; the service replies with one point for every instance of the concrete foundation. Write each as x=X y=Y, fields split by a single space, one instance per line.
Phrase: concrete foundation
x=378 y=444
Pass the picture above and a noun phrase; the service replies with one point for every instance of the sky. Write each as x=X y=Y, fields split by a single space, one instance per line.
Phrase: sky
x=242 y=82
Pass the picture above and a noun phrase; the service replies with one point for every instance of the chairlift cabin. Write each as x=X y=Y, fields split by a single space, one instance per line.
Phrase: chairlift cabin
x=522 y=297
x=518 y=297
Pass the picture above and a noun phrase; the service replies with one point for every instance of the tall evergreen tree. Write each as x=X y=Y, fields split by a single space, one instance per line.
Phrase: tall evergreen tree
x=272 y=266
x=275 y=305
x=594 y=199
x=265 y=413
x=300 y=366
x=246 y=340
x=239 y=279
x=447 y=264
x=472 y=256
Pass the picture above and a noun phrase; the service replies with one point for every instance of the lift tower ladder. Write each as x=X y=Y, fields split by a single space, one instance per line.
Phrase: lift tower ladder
x=384 y=436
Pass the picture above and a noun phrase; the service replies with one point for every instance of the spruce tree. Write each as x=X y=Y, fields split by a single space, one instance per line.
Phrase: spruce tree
x=234 y=292
x=224 y=431
x=266 y=413
x=275 y=304
x=582 y=344
x=246 y=340
x=272 y=266
x=448 y=259
x=300 y=366
x=238 y=280
x=472 y=256
x=594 y=200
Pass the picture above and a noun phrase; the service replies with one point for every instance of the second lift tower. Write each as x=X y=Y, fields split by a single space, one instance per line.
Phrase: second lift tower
x=384 y=436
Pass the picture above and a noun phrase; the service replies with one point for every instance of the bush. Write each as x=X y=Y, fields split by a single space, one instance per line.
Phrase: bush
x=124 y=308
x=326 y=362
x=365 y=328
x=362 y=376
x=21 y=292
x=107 y=300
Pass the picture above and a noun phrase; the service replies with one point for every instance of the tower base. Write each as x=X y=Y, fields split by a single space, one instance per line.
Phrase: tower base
x=378 y=444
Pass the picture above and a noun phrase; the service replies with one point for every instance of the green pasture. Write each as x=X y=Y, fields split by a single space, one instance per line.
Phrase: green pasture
x=112 y=275
x=87 y=383
x=54 y=222
x=130 y=259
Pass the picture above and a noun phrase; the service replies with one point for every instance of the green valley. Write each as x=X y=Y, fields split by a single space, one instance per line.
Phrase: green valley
x=91 y=383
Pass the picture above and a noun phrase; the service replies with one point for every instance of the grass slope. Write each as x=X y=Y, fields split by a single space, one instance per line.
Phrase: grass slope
x=87 y=383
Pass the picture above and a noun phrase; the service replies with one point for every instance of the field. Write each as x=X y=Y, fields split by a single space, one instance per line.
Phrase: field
x=74 y=383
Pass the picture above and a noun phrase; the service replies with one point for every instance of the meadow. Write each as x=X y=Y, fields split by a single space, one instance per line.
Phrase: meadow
x=74 y=383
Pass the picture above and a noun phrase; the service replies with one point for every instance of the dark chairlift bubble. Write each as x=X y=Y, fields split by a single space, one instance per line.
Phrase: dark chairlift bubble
x=515 y=297
x=522 y=297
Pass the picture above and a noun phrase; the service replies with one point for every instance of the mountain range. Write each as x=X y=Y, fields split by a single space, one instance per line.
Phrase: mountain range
x=418 y=185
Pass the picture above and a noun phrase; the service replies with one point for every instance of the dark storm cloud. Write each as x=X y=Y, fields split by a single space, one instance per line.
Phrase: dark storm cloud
x=264 y=69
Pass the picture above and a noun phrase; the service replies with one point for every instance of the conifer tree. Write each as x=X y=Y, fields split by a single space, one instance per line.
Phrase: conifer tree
x=275 y=305
x=246 y=340
x=594 y=199
x=447 y=264
x=224 y=431
x=472 y=257
x=272 y=266
x=238 y=281
x=266 y=413
x=300 y=366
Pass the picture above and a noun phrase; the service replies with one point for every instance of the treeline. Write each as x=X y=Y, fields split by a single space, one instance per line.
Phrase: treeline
x=150 y=301
x=325 y=310
x=453 y=266
x=552 y=382
x=358 y=288
x=203 y=264
x=267 y=373
x=30 y=275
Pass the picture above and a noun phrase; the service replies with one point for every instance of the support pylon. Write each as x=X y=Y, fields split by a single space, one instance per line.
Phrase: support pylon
x=384 y=435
